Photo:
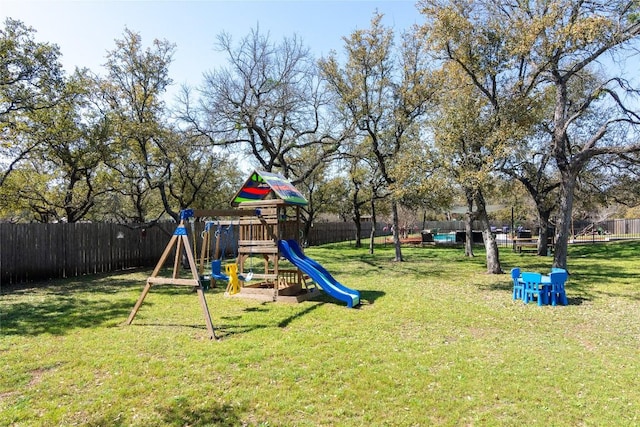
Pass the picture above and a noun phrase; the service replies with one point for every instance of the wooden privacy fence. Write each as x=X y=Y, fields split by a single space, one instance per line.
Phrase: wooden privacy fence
x=618 y=227
x=30 y=252
x=331 y=232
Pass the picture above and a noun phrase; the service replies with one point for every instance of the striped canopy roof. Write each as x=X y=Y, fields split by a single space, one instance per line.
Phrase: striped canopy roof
x=260 y=184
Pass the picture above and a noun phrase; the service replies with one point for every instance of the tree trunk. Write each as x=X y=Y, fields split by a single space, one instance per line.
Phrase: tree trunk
x=396 y=231
x=468 y=226
x=563 y=227
x=306 y=230
x=543 y=237
x=373 y=226
x=490 y=244
x=560 y=150
x=165 y=203
x=468 y=231
x=358 y=223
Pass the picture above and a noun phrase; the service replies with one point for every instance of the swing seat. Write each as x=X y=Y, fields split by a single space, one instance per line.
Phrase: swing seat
x=246 y=278
x=216 y=272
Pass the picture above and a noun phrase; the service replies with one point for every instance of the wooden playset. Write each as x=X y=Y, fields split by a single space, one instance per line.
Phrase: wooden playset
x=268 y=210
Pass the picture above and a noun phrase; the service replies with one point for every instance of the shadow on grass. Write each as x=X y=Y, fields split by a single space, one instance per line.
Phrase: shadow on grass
x=59 y=315
x=181 y=412
x=498 y=286
x=285 y=322
x=597 y=271
x=58 y=306
x=366 y=298
x=104 y=283
x=225 y=330
x=605 y=250
x=366 y=259
x=370 y=297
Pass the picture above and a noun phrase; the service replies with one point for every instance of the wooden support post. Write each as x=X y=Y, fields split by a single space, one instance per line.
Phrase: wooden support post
x=180 y=241
x=136 y=307
x=204 y=250
x=177 y=260
x=205 y=311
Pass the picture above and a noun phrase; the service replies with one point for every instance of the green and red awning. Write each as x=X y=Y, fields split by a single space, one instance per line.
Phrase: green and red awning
x=260 y=184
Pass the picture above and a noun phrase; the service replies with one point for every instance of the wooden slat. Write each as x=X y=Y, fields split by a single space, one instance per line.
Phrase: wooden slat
x=202 y=213
x=257 y=242
x=261 y=220
x=258 y=250
x=268 y=211
x=264 y=276
x=171 y=281
x=261 y=203
x=269 y=221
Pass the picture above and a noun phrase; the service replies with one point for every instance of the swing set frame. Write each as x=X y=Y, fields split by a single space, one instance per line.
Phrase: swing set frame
x=179 y=243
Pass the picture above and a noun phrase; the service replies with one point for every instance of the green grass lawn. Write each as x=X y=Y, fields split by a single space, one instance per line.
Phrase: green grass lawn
x=436 y=342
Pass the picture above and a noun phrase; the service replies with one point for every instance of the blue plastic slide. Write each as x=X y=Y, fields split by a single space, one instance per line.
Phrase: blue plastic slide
x=291 y=251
